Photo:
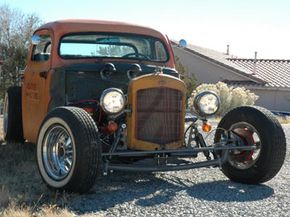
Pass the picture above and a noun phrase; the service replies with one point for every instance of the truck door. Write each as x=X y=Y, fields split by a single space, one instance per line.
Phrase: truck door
x=34 y=96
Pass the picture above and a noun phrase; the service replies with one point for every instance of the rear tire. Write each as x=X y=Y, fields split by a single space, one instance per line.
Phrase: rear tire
x=272 y=145
x=68 y=150
x=12 y=116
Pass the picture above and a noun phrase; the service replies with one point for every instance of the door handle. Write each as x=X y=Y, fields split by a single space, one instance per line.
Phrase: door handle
x=43 y=74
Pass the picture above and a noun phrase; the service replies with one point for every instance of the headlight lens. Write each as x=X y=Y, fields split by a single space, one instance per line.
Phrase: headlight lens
x=206 y=103
x=113 y=100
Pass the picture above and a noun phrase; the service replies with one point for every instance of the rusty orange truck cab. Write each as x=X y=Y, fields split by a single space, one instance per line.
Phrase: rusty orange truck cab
x=98 y=96
x=44 y=59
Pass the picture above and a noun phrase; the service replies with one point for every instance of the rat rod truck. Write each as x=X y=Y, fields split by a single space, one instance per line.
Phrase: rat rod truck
x=101 y=96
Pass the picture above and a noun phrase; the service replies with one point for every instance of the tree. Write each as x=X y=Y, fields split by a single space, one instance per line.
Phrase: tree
x=15 y=33
x=188 y=78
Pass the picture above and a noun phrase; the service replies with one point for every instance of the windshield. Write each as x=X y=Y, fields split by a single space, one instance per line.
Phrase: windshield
x=125 y=46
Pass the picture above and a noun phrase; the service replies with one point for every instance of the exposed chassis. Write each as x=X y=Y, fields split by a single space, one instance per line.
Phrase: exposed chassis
x=163 y=156
x=168 y=160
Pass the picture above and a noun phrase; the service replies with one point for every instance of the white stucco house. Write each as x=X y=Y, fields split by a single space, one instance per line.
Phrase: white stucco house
x=267 y=78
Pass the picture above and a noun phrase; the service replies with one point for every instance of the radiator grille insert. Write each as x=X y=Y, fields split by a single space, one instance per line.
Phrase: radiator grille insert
x=159 y=113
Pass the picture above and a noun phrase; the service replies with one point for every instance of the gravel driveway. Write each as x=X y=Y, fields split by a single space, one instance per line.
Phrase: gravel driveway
x=199 y=192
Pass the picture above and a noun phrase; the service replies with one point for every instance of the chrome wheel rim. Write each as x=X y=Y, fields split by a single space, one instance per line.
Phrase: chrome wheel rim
x=58 y=152
x=5 y=116
x=245 y=159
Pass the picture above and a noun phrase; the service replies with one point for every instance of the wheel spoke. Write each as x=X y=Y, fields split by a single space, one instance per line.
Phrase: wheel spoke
x=68 y=162
x=68 y=142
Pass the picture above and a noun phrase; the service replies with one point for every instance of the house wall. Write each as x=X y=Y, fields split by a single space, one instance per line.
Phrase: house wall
x=206 y=71
x=276 y=100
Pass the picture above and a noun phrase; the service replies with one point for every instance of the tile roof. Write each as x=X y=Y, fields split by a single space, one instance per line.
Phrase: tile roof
x=275 y=72
x=268 y=72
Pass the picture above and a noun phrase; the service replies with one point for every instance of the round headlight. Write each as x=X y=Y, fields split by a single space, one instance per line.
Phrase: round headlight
x=112 y=100
x=206 y=103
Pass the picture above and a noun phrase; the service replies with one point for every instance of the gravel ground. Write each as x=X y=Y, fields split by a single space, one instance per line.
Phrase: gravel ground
x=199 y=192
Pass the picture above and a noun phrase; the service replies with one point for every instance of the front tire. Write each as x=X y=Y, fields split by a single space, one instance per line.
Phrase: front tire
x=255 y=126
x=68 y=150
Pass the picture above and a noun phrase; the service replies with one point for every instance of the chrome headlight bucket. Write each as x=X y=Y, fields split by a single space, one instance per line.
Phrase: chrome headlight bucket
x=112 y=101
x=206 y=103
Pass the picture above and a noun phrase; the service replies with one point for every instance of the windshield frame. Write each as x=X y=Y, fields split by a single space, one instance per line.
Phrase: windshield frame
x=120 y=58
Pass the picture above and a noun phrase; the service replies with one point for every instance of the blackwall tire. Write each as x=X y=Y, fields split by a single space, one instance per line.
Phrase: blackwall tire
x=12 y=116
x=272 y=145
x=68 y=150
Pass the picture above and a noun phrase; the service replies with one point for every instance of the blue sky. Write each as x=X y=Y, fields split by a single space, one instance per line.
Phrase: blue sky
x=247 y=25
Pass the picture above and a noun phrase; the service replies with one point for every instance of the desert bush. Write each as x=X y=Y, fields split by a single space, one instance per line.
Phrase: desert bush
x=230 y=97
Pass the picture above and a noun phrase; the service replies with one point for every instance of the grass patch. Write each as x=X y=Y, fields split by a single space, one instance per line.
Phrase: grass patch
x=22 y=191
x=46 y=211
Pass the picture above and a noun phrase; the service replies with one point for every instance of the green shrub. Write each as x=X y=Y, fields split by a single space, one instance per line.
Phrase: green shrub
x=230 y=97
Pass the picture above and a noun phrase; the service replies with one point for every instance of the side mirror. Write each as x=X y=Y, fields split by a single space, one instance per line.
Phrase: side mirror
x=36 y=39
x=182 y=43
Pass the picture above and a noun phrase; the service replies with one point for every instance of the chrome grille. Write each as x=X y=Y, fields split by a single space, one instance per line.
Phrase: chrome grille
x=159 y=113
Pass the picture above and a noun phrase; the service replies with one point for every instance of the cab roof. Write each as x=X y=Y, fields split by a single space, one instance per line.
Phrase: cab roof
x=62 y=27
